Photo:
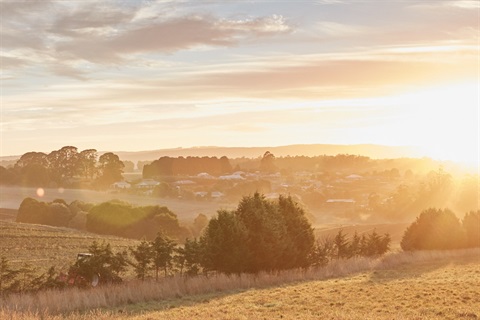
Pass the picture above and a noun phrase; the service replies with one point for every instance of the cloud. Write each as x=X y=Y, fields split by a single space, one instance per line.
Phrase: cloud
x=169 y=36
x=88 y=21
x=11 y=62
x=334 y=29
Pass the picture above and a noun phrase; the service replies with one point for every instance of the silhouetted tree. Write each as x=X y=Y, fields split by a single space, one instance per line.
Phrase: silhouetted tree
x=267 y=163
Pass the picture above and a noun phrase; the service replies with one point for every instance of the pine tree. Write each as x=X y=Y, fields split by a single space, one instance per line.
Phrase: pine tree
x=162 y=248
x=7 y=276
x=143 y=255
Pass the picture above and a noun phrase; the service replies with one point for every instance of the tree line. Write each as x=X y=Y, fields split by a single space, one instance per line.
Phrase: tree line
x=66 y=167
x=168 y=166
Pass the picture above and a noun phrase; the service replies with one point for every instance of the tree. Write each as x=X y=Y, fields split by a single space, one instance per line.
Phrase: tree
x=86 y=163
x=162 y=249
x=298 y=234
x=143 y=255
x=103 y=262
x=7 y=275
x=225 y=244
x=260 y=235
x=110 y=169
x=267 y=164
x=374 y=244
x=354 y=248
x=192 y=252
x=33 y=211
x=471 y=225
x=63 y=164
x=341 y=245
x=433 y=229
x=32 y=158
x=200 y=222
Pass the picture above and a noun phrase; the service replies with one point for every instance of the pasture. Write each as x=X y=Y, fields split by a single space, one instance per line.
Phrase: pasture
x=420 y=285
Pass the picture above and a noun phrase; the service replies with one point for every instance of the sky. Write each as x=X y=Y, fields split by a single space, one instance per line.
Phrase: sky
x=143 y=75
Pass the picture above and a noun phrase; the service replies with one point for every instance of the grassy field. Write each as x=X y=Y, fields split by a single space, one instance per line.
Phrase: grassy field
x=45 y=246
x=423 y=285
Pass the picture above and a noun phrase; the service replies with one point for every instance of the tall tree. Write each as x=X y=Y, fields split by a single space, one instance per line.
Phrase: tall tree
x=143 y=255
x=63 y=164
x=86 y=163
x=267 y=163
x=260 y=235
x=110 y=169
x=162 y=248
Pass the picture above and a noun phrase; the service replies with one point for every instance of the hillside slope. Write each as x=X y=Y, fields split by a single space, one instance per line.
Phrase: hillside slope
x=45 y=246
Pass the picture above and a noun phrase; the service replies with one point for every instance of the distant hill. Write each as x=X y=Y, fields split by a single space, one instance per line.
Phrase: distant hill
x=310 y=150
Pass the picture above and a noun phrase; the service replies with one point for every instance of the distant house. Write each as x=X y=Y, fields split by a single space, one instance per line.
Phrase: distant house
x=147 y=184
x=121 y=185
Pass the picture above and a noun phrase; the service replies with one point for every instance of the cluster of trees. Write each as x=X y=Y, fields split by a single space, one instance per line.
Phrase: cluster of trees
x=64 y=167
x=342 y=247
x=124 y=220
x=436 y=229
x=114 y=217
x=56 y=213
x=168 y=166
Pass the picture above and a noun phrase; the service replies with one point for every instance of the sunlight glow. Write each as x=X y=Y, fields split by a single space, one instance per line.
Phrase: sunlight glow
x=444 y=121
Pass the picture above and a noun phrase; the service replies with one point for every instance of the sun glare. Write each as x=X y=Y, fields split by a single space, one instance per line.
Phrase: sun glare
x=443 y=122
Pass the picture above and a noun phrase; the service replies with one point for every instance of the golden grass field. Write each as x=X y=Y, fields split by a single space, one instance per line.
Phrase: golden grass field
x=422 y=285
x=46 y=246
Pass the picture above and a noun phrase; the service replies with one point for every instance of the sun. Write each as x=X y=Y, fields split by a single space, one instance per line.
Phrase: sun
x=443 y=121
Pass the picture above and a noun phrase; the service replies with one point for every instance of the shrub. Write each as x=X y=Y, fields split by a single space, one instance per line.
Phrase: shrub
x=434 y=229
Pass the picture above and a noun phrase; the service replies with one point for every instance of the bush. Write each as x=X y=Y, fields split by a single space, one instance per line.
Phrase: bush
x=434 y=229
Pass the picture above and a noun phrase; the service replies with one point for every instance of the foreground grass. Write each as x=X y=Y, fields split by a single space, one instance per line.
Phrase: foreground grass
x=423 y=285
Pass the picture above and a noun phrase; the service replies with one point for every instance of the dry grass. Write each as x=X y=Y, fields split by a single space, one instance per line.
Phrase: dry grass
x=45 y=246
x=423 y=285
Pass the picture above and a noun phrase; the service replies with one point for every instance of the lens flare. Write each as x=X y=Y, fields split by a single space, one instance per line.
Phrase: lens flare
x=40 y=192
